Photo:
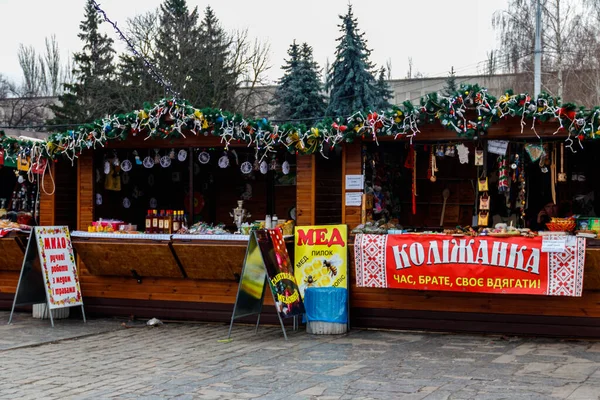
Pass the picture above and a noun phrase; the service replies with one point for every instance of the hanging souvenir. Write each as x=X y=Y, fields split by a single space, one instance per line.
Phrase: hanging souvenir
x=150 y=180
x=482 y=185
x=148 y=162
x=515 y=163
x=126 y=203
x=172 y=154
x=439 y=151
x=137 y=158
x=479 y=157
x=224 y=161
x=246 y=167
x=562 y=176
x=136 y=193
x=113 y=180
x=256 y=165
x=98 y=199
x=125 y=178
x=156 y=157
x=165 y=161
x=450 y=151
x=153 y=203
x=106 y=167
x=204 y=157
x=116 y=161
x=273 y=165
x=126 y=165
x=502 y=175
x=463 y=153
x=21 y=179
x=483 y=218
x=98 y=176
x=432 y=167
x=182 y=155
x=484 y=202
x=285 y=167
x=535 y=151
x=264 y=167
x=39 y=167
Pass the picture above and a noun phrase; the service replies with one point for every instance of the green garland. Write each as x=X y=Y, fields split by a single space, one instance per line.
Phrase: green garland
x=470 y=112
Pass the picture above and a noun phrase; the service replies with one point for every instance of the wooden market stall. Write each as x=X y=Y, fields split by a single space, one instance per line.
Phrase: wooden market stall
x=196 y=277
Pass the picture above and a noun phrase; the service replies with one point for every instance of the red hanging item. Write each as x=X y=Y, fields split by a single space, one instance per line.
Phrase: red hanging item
x=411 y=163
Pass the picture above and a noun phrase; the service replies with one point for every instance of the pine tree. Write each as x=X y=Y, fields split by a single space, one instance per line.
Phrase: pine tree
x=299 y=94
x=450 y=87
x=384 y=92
x=92 y=95
x=312 y=101
x=177 y=48
x=285 y=95
x=351 y=82
x=214 y=68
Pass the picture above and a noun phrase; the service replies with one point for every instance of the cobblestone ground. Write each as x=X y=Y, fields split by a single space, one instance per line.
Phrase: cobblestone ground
x=187 y=361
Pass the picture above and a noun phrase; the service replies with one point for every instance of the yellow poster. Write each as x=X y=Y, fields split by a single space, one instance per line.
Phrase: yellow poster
x=321 y=256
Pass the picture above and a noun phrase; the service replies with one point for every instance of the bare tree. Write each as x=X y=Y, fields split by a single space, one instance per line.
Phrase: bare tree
x=388 y=68
x=53 y=68
x=34 y=72
x=561 y=20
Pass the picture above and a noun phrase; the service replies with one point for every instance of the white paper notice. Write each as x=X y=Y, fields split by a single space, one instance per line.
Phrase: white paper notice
x=497 y=147
x=554 y=245
x=355 y=182
x=353 y=199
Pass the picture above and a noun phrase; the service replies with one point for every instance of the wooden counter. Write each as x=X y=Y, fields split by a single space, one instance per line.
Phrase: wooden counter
x=12 y=249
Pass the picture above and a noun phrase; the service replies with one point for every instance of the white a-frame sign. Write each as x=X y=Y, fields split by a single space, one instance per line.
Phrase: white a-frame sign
x=49 y=274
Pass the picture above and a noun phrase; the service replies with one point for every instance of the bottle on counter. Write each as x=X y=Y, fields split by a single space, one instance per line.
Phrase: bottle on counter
x=176 y=225
x=161 y=222
x=274 y=221
x=168 y=222
x=154 y=222
x=2 y=208
x=148 y=222
x=184 y=220
x=268 y=222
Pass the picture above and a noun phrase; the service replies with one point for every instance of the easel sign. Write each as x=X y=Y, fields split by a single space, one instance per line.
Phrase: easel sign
x=49 y=274
x=267 y=262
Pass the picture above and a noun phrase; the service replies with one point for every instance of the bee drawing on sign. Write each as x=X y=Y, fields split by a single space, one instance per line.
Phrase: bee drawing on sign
x=309 y=280
x=330 y=268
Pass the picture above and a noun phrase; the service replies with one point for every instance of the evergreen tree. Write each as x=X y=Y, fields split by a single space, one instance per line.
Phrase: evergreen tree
x=384 y=92
x=215 y=71
x=299 y=94
x=92 y=95
x=177 y=48
x=450 y=87
x=351 y=82
x=285 y=96
x=312 y=101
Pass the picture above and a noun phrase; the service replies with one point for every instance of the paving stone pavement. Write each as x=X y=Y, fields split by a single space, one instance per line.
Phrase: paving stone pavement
x=190 y=361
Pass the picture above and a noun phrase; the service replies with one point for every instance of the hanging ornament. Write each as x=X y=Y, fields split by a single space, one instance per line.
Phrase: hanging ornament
x=165 y=161
x=172 y=154
x=150 y=180
x=153 y=203
x=256 y=165
x=126 y=165
x=562 y=176
x=515 y=163
x=450 y=151
x=136 y=192
x=246 y=167
x=432 y=167
x=126 y=203
x=116 y=161
x=439 y=151
x=125 y=178
x=224 y=161
x=285 y=167
x=182 y=155
x=502 y=175
x=479 y=157
x=156 y=157
x=463 y=153
x=20 y=179
x=98 y=199
x=535 y=151
x=148 y=162
x=106 y=167
x=274 y=165
x=137 y=158
x=264 y=167
x=98 y=176
x=204 y=157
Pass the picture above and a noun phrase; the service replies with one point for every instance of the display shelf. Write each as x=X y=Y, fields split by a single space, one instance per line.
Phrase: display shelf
x=140 y=236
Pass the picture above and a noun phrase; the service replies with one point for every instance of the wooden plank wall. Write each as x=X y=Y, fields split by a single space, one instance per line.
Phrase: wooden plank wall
x=352 y=165
x=47 y=198
x=305 y=190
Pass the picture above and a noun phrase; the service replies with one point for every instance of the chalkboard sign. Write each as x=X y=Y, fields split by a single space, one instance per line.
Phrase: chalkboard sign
x=49 y=274
x=267 y=262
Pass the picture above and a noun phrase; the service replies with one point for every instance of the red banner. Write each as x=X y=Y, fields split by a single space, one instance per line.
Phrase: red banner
x=468 y=264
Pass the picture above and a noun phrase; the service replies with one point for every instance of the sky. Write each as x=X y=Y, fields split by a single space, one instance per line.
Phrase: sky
x=436 y=34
